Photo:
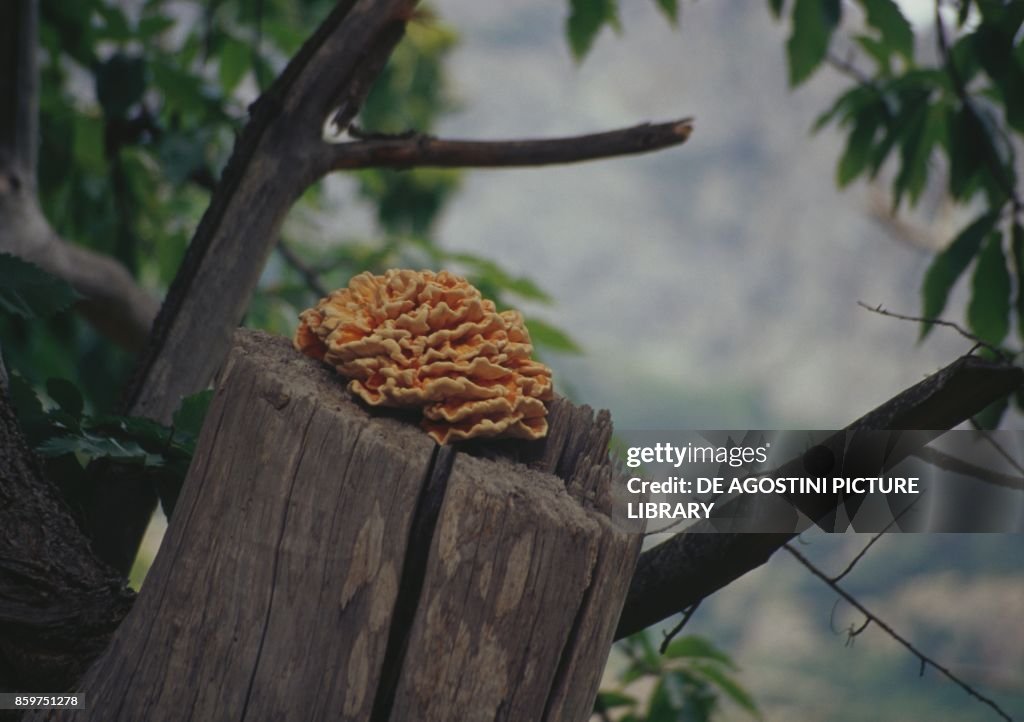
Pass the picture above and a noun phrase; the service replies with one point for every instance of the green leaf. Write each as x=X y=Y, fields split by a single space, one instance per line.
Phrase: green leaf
x=968 y=148
x=234 y=62
x=670 y=8
x=920 y=137
x=988 y=312
x=188 y=419
x=947 y=267
x=990 y=416
x=896 y=32
x=30 y=292
x=94 y=446
x=696 y=647
x=859 y=143
x=776 y=7
x=546 y=336
x=878 y=51
x=67 y=396
x=586 y=18
x=848 y=105
x=153 y=26
x=730 y=687
x=120 y=83
x=814 y=21
x=1017 y=241
x=611 y=699
x=34 y=421
x=994 y=49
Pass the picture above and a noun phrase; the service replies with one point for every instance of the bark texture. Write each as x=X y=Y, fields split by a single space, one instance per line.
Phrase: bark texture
x=58 y=603
x=328 y=563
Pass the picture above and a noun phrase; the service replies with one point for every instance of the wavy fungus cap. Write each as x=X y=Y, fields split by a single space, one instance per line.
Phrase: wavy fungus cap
x=430 y=340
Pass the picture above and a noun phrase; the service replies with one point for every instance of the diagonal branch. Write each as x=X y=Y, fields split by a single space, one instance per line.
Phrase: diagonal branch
x=870 y=617
x=699 y=562
x=411 y=150
x=329 y=76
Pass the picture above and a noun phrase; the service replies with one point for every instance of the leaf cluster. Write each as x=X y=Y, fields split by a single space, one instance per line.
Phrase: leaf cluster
x=960 y=115
x=73 y=442
x=689 y=682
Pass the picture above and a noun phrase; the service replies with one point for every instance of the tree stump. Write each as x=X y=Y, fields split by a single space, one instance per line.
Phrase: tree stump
x=326 y=561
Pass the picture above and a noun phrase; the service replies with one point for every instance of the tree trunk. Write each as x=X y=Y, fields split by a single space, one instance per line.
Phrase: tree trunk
x=325 y=562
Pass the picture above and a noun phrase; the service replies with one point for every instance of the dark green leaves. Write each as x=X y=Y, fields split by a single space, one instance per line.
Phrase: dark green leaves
x=950 y=264
x=670 y=8
x=1017 y=244
x=235 y=57
x=813 y=24
x=586 y=18
x=688 y=681
x=545 y=336
x=989 y=310
x=70 y=438
x=28 y=291
x=67 y=396
x=120 y=83
x=188 y=419
x=895 y=32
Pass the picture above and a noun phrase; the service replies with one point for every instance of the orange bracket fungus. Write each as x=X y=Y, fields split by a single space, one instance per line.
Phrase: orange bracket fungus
x=430 y=340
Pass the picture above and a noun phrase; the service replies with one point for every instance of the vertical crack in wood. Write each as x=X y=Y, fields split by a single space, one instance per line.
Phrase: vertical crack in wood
x=414 y=569
x=559 y=681
x=277 y=564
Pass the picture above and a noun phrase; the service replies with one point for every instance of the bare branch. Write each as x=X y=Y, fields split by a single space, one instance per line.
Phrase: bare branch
x=112 y=301
x=670 y=635
x=875 y=538
x=959 y=466
x=925 y=659
x=938 y=322
x=847 y=68
x=313 y=281
x=997 y=447
x=700 y=561
x=411 y=150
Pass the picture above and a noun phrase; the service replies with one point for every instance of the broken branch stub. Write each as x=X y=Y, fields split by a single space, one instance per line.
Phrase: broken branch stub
x=330 y=561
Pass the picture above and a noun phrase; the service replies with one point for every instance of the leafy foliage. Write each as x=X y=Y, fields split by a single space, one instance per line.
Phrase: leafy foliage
x=965 y=108
x=139 y=108
x=29 y=292
x=70 y=440
x=689 y=682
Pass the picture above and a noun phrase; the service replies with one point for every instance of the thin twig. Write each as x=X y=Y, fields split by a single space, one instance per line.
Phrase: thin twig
x=875 y=538
x=959 y=466
x=308 y=274
x=669 y=636
x=411 y=150
x=925 y=659
x=847 y=68
x=939 y=322
x=997 y=446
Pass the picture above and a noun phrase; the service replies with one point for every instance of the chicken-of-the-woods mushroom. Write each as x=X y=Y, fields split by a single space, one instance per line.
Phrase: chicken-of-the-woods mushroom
x=430 y=340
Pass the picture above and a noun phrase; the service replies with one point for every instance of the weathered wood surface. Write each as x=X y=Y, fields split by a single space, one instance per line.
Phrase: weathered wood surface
x=328 y=563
